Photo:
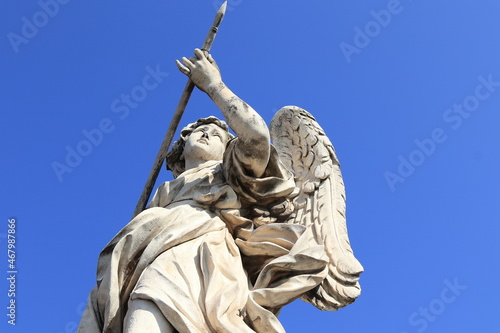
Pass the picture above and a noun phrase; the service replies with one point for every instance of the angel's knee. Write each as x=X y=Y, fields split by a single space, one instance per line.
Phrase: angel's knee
x=145 y=316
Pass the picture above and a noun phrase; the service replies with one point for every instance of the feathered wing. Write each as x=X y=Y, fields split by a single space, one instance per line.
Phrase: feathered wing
x=320 y=204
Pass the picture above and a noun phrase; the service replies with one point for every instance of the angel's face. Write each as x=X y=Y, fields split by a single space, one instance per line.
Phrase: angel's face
x=207 y=143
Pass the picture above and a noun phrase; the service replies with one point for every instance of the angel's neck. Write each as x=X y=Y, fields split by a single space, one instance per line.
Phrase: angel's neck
x=197 y=164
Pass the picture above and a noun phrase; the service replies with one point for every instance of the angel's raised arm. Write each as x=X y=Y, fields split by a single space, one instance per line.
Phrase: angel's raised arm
x=253 y=146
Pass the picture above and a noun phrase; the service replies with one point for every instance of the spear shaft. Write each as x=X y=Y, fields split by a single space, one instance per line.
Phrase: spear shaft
x=181 y=106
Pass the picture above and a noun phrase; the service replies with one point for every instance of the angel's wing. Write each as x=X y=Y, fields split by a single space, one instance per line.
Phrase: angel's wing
x=320 y=204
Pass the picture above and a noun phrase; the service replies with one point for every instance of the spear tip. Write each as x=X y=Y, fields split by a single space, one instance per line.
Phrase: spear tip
x=223 y=7
x=220 y=14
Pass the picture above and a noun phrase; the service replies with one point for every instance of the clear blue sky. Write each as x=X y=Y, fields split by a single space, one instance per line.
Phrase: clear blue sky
x=408 y=92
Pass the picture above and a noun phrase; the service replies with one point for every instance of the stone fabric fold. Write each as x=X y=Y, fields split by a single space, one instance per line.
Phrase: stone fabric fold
x=201 y=261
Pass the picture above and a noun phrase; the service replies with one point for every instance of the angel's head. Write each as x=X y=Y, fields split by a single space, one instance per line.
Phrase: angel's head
x=203 y=140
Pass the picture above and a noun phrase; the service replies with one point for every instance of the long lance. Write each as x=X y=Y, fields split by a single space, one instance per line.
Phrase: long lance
x=167 y=140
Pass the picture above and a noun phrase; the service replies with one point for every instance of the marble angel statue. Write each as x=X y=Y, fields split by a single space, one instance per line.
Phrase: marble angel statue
x=245 y=228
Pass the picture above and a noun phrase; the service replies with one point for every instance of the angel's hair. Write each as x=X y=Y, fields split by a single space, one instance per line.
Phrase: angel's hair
x=175 y=158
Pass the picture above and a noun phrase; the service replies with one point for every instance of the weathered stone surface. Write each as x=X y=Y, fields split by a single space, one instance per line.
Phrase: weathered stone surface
x=244 y=228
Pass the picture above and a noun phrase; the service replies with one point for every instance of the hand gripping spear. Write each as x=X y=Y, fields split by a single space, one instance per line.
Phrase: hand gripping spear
x=167 y=140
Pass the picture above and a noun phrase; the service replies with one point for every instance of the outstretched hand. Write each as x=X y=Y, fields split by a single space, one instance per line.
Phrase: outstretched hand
x=201 y=69
x=253 y=145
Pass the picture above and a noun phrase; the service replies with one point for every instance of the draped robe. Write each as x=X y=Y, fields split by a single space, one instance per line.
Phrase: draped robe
x=192 y=250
